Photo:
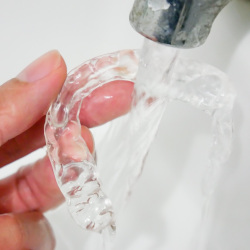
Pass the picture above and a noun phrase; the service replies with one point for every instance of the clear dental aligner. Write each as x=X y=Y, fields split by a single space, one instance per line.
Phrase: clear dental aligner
x=161 y=77
x=75 y=167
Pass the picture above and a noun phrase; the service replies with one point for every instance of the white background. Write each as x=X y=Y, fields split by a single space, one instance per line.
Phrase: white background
x=163 y=208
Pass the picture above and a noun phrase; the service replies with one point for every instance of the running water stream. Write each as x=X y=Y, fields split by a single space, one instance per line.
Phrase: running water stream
x=96 y=194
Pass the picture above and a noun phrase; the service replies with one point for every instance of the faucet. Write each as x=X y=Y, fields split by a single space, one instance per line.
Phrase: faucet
x=178 y=23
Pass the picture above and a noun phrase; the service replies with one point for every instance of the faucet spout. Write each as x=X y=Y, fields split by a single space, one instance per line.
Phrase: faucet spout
x=179 y=23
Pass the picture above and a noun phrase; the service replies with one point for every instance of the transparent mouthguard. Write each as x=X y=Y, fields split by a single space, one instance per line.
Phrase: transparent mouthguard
x=76 y=172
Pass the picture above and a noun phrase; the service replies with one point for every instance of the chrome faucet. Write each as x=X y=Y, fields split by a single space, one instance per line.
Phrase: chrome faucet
x=179 y=23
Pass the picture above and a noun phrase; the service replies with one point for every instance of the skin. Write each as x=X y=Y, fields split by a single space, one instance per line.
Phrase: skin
x=24 y=101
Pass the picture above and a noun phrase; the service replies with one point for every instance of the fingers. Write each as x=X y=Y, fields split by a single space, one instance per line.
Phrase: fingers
x=34 y=187
x=31 y=188
x=25 y=99
x=106 y=103
x=25 y=231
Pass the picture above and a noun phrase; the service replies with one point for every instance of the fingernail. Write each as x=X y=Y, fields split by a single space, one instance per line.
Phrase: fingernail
x=41 y=67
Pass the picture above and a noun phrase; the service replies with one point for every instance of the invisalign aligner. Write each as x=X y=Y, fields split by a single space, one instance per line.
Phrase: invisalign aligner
x=76 y=172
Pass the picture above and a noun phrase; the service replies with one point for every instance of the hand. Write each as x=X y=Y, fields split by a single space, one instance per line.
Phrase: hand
x=24 y=102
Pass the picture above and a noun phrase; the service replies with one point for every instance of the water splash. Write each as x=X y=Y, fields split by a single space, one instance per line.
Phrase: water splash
x=208 y=89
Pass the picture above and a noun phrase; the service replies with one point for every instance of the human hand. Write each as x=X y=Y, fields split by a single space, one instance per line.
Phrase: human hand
x=24 y=102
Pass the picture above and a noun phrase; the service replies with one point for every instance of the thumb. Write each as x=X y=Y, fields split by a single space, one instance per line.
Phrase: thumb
x=25 y=99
